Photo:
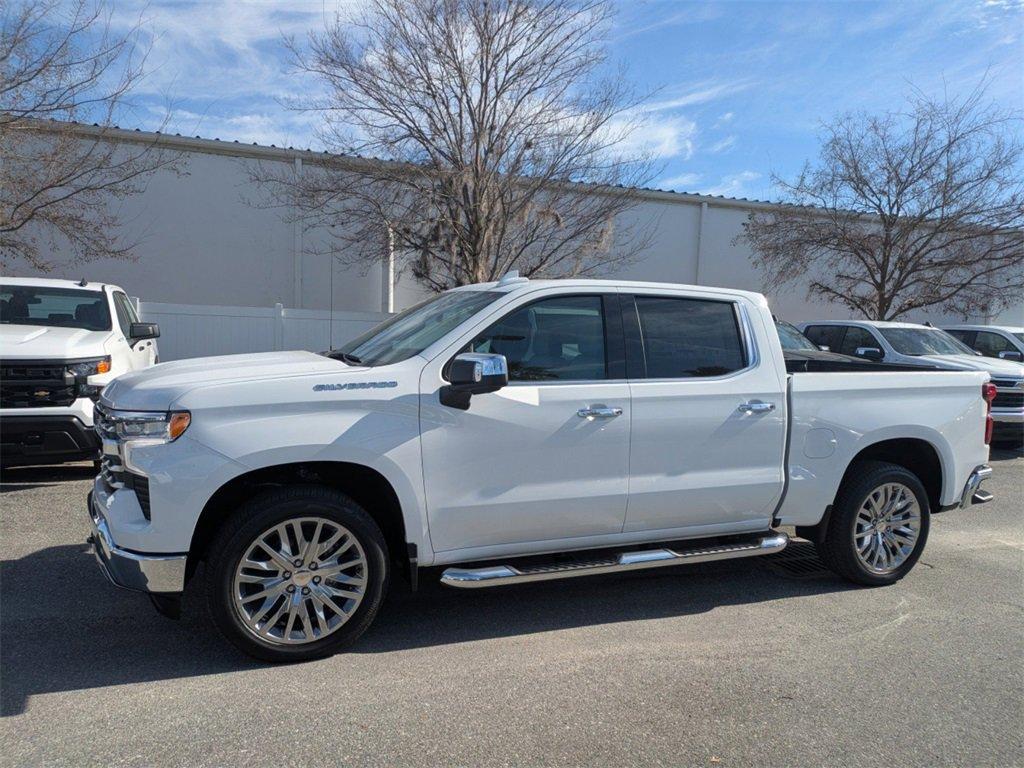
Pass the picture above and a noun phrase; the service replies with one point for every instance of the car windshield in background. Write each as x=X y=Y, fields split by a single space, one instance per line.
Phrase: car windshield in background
x=1018 y=336
x=924 y=341
x=58 y=307
x=791 y=338
x=410 y=332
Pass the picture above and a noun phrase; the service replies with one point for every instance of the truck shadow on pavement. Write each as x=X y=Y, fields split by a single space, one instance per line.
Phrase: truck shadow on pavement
x=65 y=628
x=27 y=478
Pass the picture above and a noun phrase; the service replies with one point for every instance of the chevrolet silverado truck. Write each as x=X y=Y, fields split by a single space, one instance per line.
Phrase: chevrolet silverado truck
x=61 y=342
x=514 y=432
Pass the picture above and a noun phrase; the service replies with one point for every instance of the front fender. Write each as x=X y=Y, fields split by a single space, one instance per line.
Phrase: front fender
x=376 y=428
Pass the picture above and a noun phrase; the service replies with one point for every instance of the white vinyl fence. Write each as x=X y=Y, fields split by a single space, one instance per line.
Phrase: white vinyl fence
x=188 y=330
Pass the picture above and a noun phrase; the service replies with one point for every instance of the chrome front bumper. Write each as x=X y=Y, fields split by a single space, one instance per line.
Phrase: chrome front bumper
x=153 y=573
x=972 y=493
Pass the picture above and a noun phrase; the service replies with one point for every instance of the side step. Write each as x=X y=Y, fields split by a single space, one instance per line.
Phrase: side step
x=495 y=575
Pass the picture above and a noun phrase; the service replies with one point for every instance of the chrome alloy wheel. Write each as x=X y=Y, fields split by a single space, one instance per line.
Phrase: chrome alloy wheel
x=300 y=581
x=887 y=526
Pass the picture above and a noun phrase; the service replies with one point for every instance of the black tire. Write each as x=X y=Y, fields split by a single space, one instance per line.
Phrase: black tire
x=836 y=547
x=255 y=517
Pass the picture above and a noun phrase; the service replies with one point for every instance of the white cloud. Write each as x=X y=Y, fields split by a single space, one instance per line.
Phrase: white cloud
x=662 y=138
x=701 y=94
x=684 y=182
x=733 y=184
x=722 y=145
x=724 y=119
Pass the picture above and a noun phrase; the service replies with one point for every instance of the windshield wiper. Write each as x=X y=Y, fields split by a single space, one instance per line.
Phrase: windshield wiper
x=345 y=357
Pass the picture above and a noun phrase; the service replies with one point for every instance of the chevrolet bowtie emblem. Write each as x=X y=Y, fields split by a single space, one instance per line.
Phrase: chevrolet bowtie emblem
x=42 y=393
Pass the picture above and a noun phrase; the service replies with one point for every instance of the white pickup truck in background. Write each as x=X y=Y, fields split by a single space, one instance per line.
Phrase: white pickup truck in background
x=512 y=432
x=61 y=342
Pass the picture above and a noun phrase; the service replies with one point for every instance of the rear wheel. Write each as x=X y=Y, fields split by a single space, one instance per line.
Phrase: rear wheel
x=879 y=524
x=297 y=573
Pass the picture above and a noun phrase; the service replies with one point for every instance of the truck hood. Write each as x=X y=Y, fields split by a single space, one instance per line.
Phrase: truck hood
x=156 y=388
x=977 y=363
x=37 y=342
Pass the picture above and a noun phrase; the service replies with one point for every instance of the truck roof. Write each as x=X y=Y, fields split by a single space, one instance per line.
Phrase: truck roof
x=982 y=327
x=55 y=283
x=870 y=323
x=519 y=284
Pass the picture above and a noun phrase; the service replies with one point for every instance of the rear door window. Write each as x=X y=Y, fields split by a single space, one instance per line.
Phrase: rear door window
x=684 y=338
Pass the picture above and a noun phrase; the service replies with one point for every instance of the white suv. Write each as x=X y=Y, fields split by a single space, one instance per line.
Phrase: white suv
x=61 y=342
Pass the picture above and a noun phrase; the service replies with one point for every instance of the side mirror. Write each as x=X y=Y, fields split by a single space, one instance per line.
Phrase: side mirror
x=869 y=353
x=1011 y=355
x=140 y=331
x=473 y=373
x=824 y=347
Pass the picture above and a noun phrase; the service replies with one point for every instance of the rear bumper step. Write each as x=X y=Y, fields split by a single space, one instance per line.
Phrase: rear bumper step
x=495 y=575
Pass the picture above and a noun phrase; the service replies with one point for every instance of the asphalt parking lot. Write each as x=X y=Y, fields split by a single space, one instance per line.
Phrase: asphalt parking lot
x=744 y=663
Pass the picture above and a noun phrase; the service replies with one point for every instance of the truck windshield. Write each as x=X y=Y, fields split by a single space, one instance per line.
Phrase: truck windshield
x=410 y=332
x=924 y=341
x=791 y=338
x=60 y=307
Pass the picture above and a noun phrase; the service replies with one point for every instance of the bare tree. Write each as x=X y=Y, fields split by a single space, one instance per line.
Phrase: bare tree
x=905 y=212
x=500 y=144
x=60 y=65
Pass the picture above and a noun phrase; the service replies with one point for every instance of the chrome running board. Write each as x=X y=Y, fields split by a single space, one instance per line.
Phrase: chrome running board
x=495 y=575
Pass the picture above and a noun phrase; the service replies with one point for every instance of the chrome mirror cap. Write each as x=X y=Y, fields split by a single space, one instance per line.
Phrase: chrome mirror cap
x=473 y=373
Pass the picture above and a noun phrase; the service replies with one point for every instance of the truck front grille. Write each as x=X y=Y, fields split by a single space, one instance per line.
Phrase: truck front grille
x=36 y=384
x=116 y=477
x=1008 y=400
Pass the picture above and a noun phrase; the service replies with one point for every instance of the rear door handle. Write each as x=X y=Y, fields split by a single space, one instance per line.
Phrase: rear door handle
x=592 y=412
x=756 y=406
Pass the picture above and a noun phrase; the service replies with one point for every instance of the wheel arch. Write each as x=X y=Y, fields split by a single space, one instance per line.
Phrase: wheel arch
x=367 y=486
x=913 y=453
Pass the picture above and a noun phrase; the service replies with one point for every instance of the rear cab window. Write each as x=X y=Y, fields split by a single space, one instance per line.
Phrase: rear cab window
x=671 y=337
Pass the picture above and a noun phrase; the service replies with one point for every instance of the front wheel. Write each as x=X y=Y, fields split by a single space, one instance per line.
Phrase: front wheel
x=879 y=524
x=297 y=573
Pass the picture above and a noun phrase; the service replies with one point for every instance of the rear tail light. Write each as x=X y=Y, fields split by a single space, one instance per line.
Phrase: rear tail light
x=988 y=394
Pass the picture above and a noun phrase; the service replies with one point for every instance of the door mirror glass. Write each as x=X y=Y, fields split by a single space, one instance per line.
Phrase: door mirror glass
x=140 y=331
x=824 y=347
x=1010 y=355
x=473 y=373
x=869 y=353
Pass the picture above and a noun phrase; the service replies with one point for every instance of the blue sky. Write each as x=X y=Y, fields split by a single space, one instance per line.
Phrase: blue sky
x=738 y=88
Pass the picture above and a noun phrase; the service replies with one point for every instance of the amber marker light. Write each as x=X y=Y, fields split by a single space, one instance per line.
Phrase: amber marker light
x=178 y=424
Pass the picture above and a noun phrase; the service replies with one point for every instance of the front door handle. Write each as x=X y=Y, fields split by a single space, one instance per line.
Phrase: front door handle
x=592 y=412
x=756 y=406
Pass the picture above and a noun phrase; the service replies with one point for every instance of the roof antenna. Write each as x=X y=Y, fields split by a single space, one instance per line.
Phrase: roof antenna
x=83 y=282
x=512 y=278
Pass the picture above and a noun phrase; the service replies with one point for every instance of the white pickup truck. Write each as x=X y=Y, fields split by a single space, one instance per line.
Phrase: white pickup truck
x=512 y=432
x=61 y=342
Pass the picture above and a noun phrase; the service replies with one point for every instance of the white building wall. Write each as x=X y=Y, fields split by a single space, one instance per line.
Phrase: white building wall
x=203 y=242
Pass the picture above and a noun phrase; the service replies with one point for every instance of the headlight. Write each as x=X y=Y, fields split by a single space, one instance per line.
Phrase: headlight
x=150 y=426
x=90 y=367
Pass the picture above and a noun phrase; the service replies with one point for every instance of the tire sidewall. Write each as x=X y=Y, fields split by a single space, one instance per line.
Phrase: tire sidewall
x=851 y=505
x=270 y=509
